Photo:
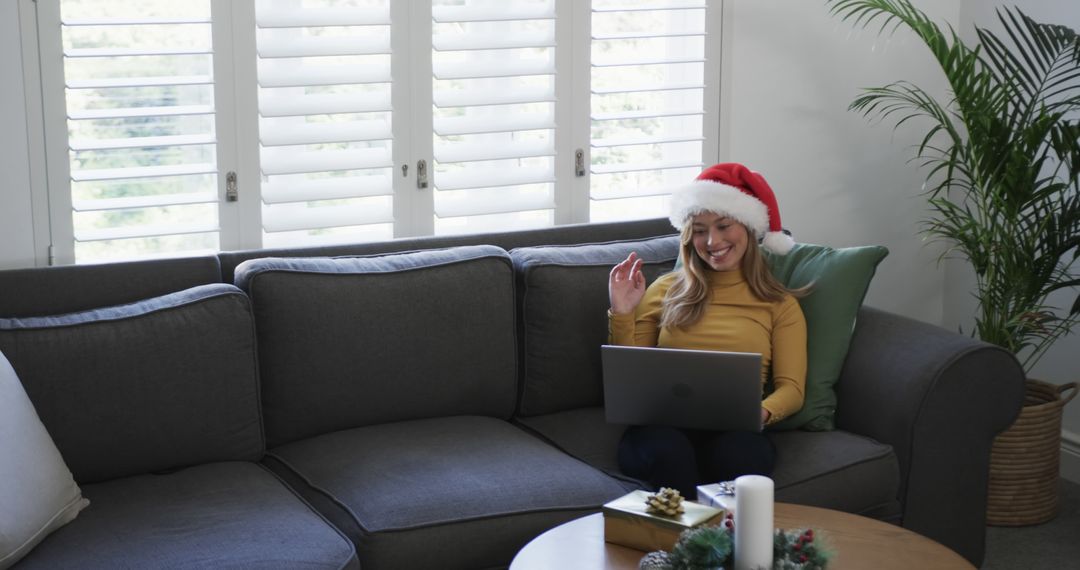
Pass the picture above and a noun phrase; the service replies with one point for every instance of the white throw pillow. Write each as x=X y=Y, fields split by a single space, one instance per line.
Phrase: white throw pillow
x=37 y=492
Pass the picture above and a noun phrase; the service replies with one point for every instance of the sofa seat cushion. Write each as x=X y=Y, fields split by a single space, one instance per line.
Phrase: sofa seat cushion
x=477 y=483
x=837 y=470
x=585 y=434
x=218 y=515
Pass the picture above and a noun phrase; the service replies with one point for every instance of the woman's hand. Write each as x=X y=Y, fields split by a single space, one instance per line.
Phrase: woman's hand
x=765 y=415
x=626 y=285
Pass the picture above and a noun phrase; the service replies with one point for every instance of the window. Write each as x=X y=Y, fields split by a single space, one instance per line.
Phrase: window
x=179 y=128
x=649 y=86
x=141 y=135
x=325 y=125
x=494 y=74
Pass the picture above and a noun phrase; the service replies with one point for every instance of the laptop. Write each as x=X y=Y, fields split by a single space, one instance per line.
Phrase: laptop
x=693 y=389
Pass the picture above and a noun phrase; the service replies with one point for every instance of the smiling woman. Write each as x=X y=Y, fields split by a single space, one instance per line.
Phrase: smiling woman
x=718 y=240
x=723 y=298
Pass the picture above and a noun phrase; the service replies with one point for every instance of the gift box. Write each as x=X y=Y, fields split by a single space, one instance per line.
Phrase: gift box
x=717 y=495
x=627 y=523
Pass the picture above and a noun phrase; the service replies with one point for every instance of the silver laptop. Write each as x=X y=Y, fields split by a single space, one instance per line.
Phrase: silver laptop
x=694 y=389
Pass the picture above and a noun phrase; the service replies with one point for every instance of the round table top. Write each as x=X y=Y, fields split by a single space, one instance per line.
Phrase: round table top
x=857 y=543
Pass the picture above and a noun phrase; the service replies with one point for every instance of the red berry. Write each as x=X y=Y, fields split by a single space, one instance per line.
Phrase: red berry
x=797 y=547
x=729 y=524
x=802 y=558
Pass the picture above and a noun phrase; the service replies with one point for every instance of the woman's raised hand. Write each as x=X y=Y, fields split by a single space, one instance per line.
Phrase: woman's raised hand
x=626 y=285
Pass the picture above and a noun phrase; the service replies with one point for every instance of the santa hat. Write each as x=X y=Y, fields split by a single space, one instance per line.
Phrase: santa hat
x=735 y=191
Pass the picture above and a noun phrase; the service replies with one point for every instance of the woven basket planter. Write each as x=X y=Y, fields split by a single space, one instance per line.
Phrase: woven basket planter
x=1025 y=459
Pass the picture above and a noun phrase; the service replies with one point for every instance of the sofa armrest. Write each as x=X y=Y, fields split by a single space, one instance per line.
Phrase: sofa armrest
x=939 y=398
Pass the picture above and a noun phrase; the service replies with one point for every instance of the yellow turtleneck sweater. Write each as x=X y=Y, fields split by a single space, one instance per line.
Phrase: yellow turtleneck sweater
x=736 y=321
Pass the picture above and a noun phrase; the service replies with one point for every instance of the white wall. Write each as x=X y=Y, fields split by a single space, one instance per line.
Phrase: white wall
x=16 y=213
x=841 y=180
x=1060 y=364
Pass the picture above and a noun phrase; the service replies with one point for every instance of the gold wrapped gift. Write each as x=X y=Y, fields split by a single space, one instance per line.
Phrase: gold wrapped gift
x=627 y=523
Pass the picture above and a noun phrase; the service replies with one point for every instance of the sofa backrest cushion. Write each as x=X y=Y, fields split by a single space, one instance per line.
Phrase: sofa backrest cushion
x=555 y=235
x=563 y=301
x=155 y=385
x=355 y=341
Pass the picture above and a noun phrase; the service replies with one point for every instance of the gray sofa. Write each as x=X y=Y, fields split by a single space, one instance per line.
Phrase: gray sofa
x=426 y=403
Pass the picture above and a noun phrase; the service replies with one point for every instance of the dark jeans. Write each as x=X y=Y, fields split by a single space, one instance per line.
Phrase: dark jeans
x=683 y=459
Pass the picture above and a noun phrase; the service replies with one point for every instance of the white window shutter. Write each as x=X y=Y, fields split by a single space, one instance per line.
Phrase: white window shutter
x=651 y=111
x=493 y=73
x=325 y=139
x=343 y=97
x=139 y=104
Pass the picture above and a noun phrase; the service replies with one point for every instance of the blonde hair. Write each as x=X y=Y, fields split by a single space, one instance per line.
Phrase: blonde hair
x=688 y=296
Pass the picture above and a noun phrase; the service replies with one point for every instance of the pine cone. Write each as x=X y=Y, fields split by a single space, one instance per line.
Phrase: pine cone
x=658 y=560
x=666 y=502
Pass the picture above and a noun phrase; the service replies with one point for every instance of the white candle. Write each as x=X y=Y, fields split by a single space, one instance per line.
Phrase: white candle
x=753 y=522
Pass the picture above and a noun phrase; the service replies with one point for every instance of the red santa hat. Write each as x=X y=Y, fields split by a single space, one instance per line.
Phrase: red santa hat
x=735 y=191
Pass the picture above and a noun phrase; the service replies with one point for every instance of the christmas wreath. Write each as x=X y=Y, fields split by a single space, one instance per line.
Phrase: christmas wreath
x=712 y=547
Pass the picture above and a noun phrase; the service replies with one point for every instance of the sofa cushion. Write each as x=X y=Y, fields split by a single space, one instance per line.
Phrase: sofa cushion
x=597 y=448
x=154 y=385
x=837 y=470
x=510 y=239
x=839 y=280
x=348 y=342
x=38 y=494
x=221 y=515
x=563 y=302
x=478 y=483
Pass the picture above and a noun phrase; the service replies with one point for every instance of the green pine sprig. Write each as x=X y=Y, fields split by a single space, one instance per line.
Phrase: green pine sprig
x=713 y=548
x=702 y=547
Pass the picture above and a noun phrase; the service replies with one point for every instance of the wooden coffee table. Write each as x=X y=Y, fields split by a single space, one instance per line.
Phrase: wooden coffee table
x=858 y=543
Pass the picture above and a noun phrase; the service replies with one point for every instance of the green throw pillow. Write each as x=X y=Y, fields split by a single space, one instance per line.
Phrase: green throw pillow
x=840 y=279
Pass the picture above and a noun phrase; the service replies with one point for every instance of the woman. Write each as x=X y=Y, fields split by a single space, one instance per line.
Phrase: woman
x=722 y=298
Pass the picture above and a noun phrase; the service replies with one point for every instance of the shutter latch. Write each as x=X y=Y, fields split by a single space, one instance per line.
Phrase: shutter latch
x=231 y=193
x=579 y=163
x=421 y=174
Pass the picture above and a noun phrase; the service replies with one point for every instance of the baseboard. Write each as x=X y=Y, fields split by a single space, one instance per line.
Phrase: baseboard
x=1070 y=455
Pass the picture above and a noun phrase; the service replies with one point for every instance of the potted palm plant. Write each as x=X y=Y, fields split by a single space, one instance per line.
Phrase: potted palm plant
x=1002 y=161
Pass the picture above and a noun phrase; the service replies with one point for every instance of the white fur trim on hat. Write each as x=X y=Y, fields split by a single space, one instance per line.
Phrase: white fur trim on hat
x=708 y=196
x=778 y=242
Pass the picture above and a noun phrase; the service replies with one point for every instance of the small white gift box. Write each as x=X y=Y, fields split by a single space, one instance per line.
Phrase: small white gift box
x=717 y=495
